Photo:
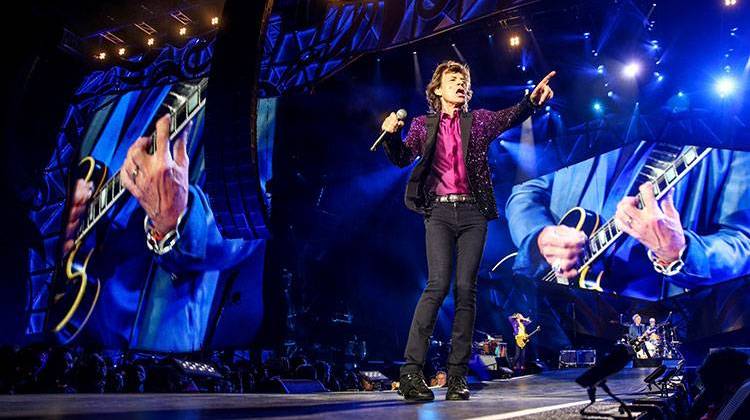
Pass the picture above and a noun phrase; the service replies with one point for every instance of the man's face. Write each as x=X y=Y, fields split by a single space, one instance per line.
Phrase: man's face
x=453 y=87
x=637 y=320
x=652 y=321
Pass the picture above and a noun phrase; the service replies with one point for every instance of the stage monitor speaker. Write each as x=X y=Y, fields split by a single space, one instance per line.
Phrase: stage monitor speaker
x=300 y=386
x=647 y=363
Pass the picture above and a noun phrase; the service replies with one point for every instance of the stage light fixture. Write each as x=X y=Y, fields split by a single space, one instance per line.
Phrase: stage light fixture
x=631 y=70
x=610 y=94
x=150 y=42
x=680 y=94
x=121 y=51
x=597 y=106
x=214 y=21
x=183 y=31
x=101 y=55
x=515 y=41
x=600 y=69
x=730 y=3
x=586 y=35
x=548 y=108
x=726 y=86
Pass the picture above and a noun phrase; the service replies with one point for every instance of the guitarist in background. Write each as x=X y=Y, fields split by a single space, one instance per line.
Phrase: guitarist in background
x=519 y=323
x=699 y=234
x=637 y=333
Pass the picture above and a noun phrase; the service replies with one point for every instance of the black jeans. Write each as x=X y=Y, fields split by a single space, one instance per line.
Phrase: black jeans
x=452 y=230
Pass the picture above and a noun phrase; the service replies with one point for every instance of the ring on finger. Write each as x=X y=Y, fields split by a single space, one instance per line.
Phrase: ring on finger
x=557 y=266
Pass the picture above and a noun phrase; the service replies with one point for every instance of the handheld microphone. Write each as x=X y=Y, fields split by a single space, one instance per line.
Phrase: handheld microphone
x=400 y=114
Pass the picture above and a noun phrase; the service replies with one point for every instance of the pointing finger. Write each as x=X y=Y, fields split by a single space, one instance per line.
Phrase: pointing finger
x=548 y=77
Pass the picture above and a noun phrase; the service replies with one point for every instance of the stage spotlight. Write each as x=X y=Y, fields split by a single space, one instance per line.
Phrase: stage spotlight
x=586 y=35
x=214 y=21
x=659 y=76
x=631 y=70
x=150 y=42
x=548 y=108
x=183 y=31
x=610 y=94
x=730 y=3
x=725 y=86
x=680 y=94
x=515 y=41
x=414 y=53
x=121 y=51
x=597 y=107
x=101 y=55
x=600 y=69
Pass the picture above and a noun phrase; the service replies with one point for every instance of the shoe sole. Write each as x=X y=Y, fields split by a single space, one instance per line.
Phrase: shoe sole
x=456 y=398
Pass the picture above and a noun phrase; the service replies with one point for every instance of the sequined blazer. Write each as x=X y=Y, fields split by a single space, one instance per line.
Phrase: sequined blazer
x=478 y=129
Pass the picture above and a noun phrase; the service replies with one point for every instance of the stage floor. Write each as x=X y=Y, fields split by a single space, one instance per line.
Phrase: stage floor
x=550 y=395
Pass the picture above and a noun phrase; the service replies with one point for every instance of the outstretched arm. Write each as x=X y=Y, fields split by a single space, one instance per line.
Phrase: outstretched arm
x=499 y=121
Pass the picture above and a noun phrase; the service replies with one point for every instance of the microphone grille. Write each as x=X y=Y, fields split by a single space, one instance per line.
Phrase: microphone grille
x=401 y=114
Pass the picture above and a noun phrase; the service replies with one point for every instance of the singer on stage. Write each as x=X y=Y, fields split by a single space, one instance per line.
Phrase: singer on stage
x=450 y=186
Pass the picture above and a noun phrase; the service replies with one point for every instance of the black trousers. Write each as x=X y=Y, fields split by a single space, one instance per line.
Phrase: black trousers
x=519 y=358
x=453 y=231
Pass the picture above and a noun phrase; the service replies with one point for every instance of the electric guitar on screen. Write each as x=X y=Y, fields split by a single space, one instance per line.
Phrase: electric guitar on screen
x=602 y=237
x=73 y=293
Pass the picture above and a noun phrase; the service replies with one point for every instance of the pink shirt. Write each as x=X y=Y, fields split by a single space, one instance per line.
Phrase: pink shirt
x=448 y=175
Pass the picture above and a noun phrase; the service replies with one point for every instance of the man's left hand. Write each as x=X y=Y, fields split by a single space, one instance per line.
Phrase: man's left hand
x=657 y=227
x=542 y=92
x=158 y=181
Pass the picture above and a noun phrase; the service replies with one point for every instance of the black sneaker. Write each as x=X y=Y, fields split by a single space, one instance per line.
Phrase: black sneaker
x=413 y=387
x=458 y=389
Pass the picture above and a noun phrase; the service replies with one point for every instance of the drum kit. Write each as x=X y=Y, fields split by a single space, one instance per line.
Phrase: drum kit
x=659 y=341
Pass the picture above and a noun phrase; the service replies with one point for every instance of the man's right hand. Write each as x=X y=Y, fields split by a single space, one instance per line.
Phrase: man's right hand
x=81 y=197
x=392 y=123
x=562 y=247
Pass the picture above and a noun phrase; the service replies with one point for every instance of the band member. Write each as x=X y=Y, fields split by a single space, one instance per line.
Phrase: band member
x=184 y=274
x=637 y=333
x=652 y=324
x=519 y=323
x=451 y=188
x=696 y=235
x=636 y=329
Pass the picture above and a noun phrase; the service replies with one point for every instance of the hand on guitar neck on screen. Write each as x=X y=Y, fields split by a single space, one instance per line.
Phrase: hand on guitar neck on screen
x=159 y=181
x=81 y=196
x=561 y=246
x=656 y=226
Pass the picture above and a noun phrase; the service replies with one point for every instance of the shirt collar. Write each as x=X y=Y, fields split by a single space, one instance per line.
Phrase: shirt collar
x=443 y=115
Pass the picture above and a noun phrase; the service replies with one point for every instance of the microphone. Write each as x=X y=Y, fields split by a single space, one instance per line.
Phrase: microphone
x=400 y=114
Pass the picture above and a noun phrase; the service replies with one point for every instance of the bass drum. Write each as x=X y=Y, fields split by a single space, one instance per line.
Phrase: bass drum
x=647 y=349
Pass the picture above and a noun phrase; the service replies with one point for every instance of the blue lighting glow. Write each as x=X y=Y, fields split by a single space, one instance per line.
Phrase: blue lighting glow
x=548 y=108
x=600 y=69
x=586 y=35
x=610 y=94
x=597 y=106
x=680 y=94
x=726 y=86
x=631 y=70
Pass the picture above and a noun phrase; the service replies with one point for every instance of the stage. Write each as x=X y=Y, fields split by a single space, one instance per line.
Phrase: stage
x=551 y=394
